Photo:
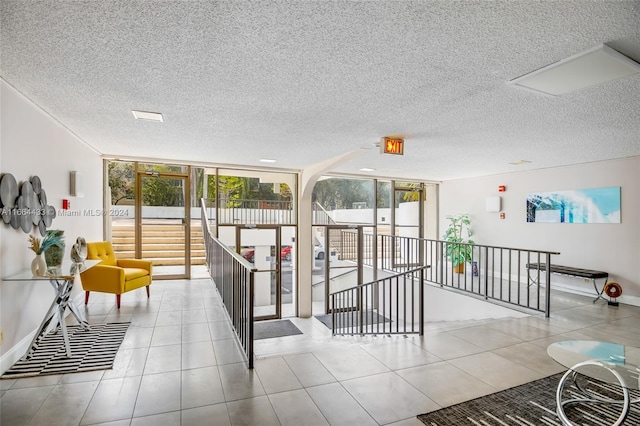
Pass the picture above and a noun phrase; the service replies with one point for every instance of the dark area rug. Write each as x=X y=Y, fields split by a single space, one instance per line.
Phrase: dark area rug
x=93 y=349
x=271 y=329
x=352 y=318
x=534 y=403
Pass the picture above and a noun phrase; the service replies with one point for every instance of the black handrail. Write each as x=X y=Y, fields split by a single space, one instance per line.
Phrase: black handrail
x=492 y=272
x=497 y=273
x=391 y=305
x=234 y=279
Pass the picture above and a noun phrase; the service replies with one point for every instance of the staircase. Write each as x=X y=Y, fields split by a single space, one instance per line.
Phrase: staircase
x=162 y=244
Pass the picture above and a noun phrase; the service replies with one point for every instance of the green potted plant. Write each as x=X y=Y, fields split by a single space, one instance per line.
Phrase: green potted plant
x=458 y=248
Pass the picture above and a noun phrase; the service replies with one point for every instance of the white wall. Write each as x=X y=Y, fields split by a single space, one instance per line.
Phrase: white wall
x=358 y=215
x=32 y=143
x=614 y=248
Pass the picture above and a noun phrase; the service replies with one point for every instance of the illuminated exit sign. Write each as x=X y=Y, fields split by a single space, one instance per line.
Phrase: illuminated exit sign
x=392 y=146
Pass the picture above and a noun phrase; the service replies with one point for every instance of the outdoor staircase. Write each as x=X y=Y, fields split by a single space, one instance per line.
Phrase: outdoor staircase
x=162 y=244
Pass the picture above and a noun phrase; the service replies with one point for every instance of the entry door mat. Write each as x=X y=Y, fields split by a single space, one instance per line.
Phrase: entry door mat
x=353 y=318
x=273 y=329
x=93 y=349
x=534 y=403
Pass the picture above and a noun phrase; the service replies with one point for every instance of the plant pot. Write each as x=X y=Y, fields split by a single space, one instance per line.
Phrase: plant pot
x=53 y=256
x=459 y=268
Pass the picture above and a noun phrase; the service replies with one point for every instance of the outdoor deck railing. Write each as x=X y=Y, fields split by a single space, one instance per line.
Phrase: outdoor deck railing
x=233 y=277
x=240 y=212
x=320 y=216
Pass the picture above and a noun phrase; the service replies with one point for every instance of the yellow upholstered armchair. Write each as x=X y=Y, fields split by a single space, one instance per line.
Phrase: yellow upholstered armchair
x=113 y=275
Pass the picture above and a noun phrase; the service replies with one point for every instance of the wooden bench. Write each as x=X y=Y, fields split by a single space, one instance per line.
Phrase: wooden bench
x=589 y=274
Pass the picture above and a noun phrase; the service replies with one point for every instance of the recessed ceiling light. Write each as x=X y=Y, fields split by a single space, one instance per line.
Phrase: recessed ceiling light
x=267 y=160
x=146 y=115
x=597 y=65
x=367 y=169
x=520 y=162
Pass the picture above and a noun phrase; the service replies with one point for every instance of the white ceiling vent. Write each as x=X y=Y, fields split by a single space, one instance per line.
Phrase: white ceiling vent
x=586 y=69
x=149 y=116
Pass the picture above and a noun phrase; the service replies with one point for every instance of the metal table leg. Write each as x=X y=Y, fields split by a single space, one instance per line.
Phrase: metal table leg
x=590 y=397
x=55 y=315
x=51 y=314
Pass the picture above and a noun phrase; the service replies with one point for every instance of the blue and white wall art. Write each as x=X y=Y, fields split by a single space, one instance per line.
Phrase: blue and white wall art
x=593 y=205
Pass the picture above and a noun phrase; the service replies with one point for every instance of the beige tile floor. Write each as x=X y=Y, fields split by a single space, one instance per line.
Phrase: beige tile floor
x=179 y=365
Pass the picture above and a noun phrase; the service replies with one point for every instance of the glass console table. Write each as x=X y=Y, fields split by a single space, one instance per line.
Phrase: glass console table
x=606 y=362
x=62 y=284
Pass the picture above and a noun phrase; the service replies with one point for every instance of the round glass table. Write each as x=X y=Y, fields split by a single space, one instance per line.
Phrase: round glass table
x=610 y=363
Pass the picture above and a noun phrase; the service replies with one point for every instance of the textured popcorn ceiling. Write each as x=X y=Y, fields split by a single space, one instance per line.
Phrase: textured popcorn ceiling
x=304 y=81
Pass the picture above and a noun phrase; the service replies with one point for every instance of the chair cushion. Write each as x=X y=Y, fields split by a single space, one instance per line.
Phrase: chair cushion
x=102 y=250
x=133 y=273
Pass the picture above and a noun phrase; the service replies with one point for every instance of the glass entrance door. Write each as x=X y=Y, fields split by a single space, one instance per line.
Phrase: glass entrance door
x=342 y=257
x=261 y=245
x=163 y=224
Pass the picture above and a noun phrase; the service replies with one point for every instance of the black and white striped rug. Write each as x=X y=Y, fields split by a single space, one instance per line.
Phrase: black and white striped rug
x=93 y=349
x=534 y=404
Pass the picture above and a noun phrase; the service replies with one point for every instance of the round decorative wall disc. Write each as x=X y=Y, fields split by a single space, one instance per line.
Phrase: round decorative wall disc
x=8 y=190
x=26 y=191
x=36 y=184
x=6 y=215
x=43 y=197
x=15 y=219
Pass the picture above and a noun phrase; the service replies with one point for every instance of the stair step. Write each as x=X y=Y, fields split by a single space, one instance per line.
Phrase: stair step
x=156 y=240
x=155 y=228
x=164 y=262
x=163 y=244
x=131 y=236
x=153 y=247
x=130 y=254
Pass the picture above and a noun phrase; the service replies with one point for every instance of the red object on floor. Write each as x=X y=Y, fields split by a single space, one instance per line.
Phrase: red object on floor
x=613 y=290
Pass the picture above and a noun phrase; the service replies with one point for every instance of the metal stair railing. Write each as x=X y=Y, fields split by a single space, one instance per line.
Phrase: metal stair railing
x=496 y=273
x=234 y=279
x=395 y=304
x=492 y=273
x=391 y=305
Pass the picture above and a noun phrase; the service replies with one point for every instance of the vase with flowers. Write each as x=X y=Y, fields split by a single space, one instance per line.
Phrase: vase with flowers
x=38 y=264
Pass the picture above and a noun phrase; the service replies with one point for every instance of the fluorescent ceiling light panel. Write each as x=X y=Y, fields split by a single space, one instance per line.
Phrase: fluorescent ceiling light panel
x=367 y=169
x=267 y=160
x=520 y=162
x=595 y=66
x=145 y=115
